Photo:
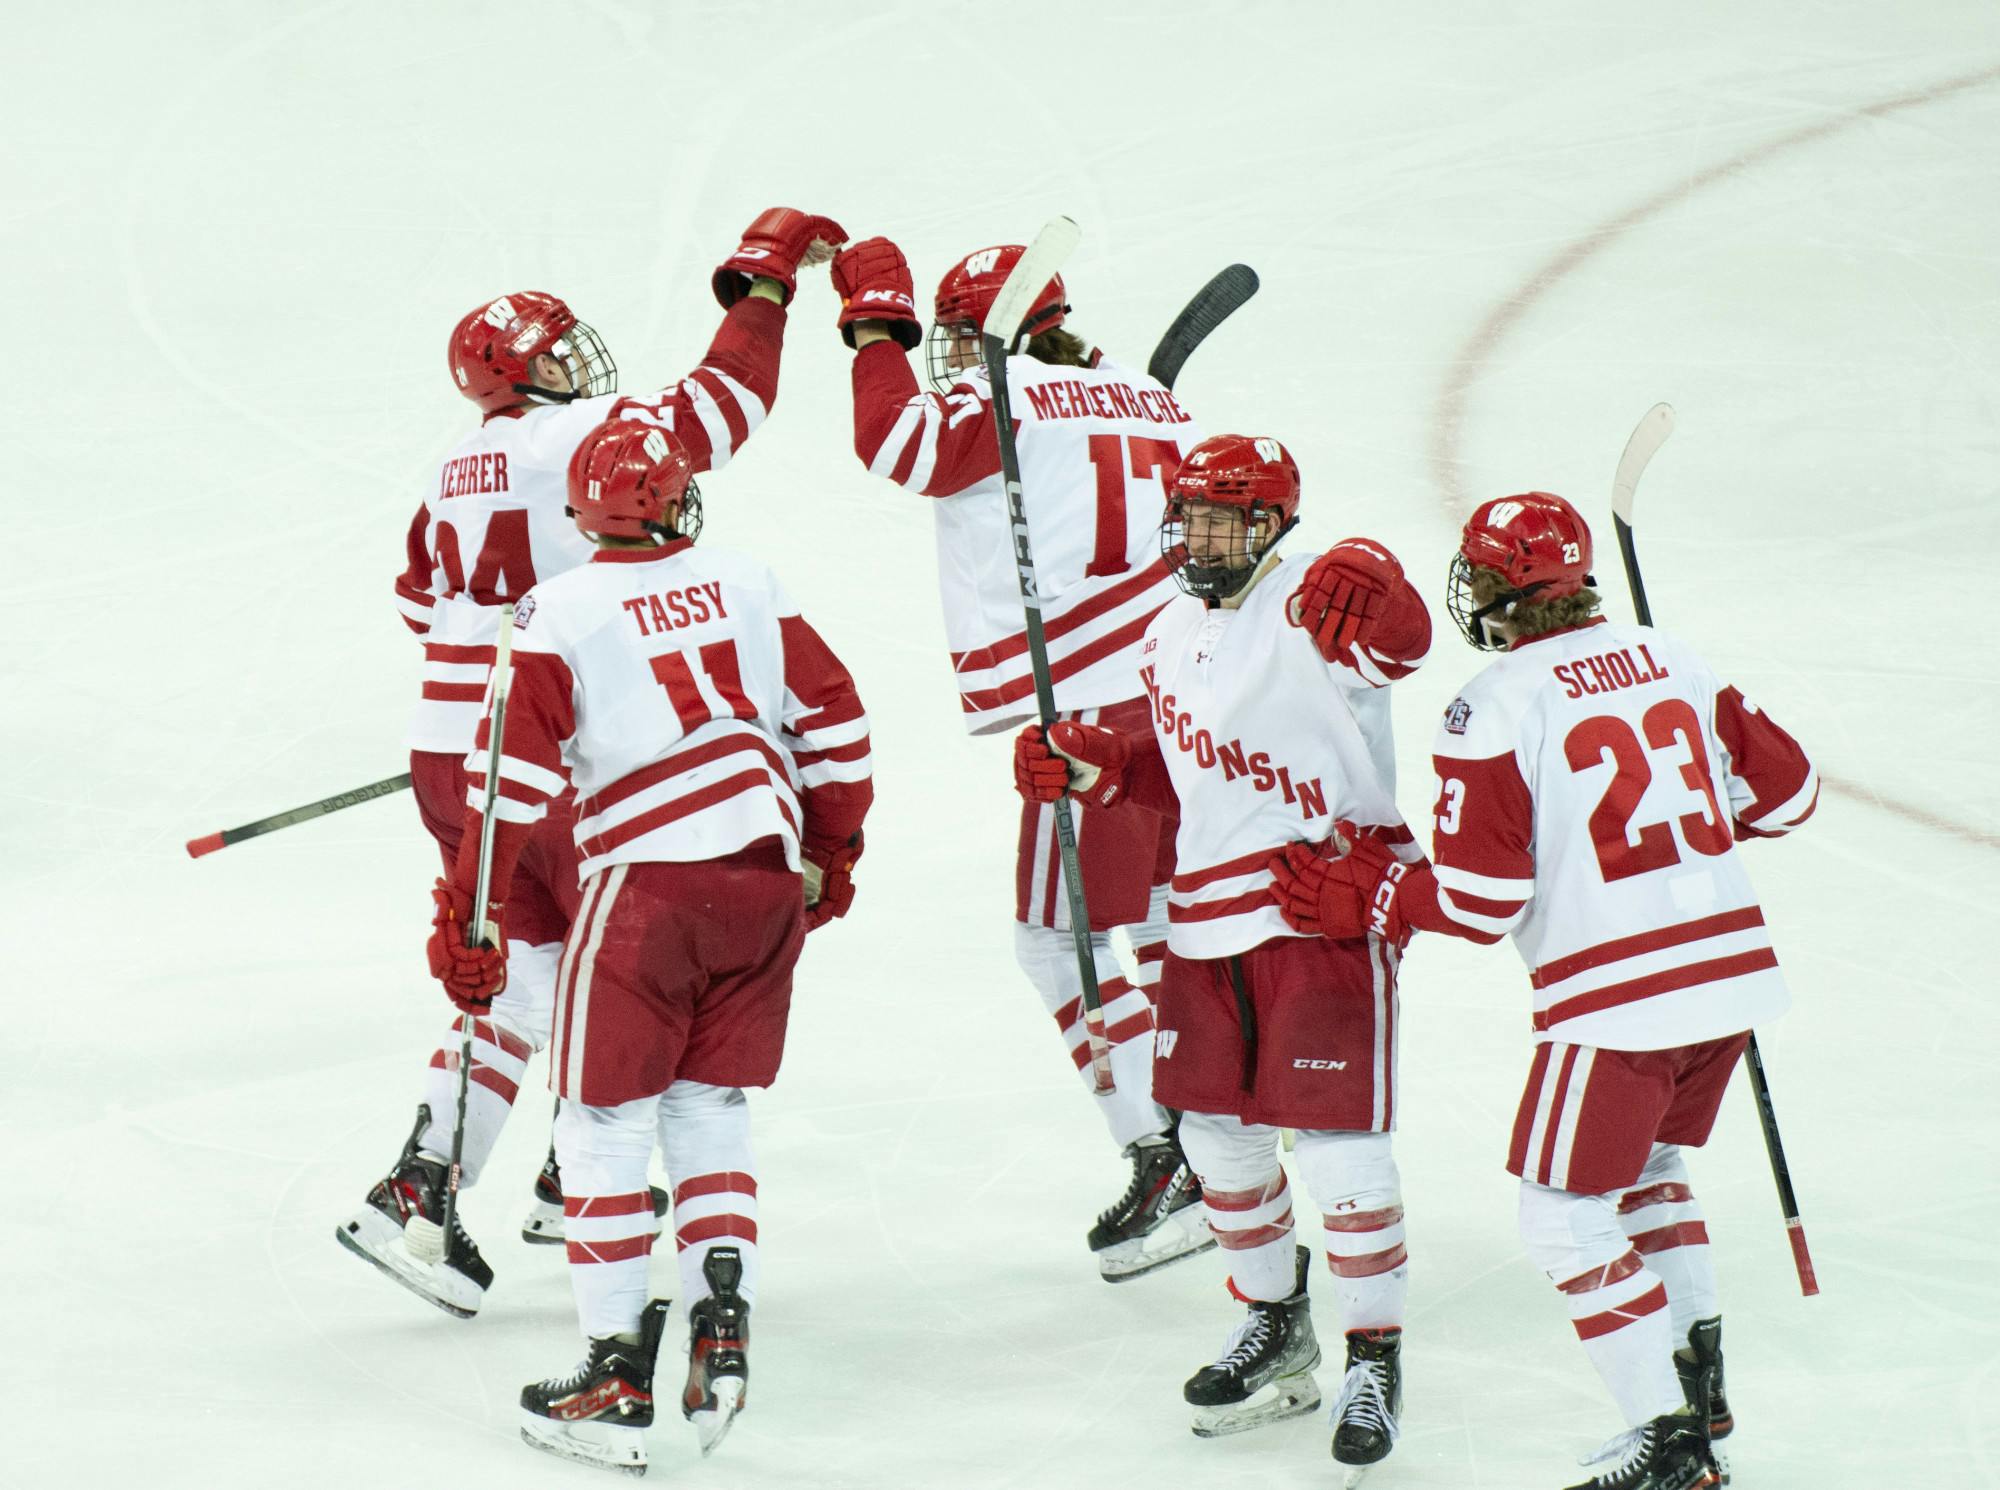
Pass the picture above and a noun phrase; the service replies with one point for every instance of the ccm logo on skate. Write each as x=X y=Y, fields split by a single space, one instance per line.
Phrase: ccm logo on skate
x=1302 y=1064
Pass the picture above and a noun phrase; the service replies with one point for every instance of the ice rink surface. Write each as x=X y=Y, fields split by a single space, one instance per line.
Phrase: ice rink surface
x=234 y=237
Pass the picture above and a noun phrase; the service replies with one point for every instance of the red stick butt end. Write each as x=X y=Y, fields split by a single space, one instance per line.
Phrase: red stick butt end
x=1795 y=1232
x=196 y=847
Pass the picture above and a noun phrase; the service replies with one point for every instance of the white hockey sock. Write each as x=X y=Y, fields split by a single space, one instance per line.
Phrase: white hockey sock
x=607 y=1210
x=1663 y=1220
x=1048 y=957
x=1249 y=1202
x=514 y=1028
x=705 y=1131
x=1617 y=1305
x=1352 y=1178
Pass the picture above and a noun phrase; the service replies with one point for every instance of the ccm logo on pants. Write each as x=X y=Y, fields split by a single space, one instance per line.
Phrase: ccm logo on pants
x=1302 y=1064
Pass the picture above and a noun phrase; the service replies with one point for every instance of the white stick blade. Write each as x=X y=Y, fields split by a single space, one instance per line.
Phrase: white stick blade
x=1044 y=258
x=1645 y=443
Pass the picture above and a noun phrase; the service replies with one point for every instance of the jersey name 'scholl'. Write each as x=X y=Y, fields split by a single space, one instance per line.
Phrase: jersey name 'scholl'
x=674 y=610
x=1607 y=672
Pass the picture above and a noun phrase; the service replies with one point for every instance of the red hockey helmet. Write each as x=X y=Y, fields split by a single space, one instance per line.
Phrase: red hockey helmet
x=625 y=479
x=493 y=345
x=967 y=293
x=1251 y=473
x=1538 y=543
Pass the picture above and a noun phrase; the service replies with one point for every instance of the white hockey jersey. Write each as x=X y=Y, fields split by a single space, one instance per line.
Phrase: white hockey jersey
x=691 y=706
x=1591 y=786
x=494 y=522
x=1097 y=446
x=1267 y=743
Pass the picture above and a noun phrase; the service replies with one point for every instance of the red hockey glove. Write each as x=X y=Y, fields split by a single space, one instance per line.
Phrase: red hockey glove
x=472 y=976
x=1315 y=887
x=774 y=246
x=872 y=279
x=829 y=877
x=1356 y=893
x=1344 y=593
x=1088 y=761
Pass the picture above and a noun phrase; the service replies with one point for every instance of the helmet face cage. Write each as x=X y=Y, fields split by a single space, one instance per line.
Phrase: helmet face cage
x=1213 y=582
x=951 y=350
x=1470 y=619
x=586 y=359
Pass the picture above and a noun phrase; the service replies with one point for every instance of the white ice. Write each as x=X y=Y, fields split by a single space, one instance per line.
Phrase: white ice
x=233 y=238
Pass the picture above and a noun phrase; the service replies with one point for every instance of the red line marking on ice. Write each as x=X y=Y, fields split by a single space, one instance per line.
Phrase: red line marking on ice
x=1477 y=353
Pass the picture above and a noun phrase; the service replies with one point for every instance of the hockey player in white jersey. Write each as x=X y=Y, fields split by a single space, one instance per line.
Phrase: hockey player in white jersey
x=1097 y=442
x=1267 y=686
x=717 y=749
x=1592 y=785
x=492 y=524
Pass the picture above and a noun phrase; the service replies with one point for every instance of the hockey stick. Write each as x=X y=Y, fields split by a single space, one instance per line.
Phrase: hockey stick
x=1033 y=270
x=1214 y=303
x=423 y=1241
x=1646 y=440
x=196 y=847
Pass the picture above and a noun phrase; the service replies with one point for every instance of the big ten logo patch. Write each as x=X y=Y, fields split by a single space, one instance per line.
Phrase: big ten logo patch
x=1163 y=1043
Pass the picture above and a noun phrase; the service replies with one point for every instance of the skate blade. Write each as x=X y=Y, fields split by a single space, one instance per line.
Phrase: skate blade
x=1354 y=1476
x=1182 y=1235
x=375 y=1239
x=599 y=1445
x=544 y=1226
x=1721 y=1465
x=711 y=1425
x=1287 y=1397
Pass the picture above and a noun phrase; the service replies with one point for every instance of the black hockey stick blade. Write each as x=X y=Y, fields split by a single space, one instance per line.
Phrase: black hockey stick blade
x=209 y=843
x=1214 y=303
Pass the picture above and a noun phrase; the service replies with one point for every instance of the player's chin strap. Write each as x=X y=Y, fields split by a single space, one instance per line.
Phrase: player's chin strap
x=535 y=394
x=1207 y=580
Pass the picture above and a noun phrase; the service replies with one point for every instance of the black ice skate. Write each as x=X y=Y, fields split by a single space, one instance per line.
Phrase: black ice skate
x=718 y=1350
x=544 y=1226
x=1669 y=1453
x=1700 y=1368
x=401 y=1231
x=598 y=1414
x=1159 y=1219
x=1265 y=1373
x=1368 y=1413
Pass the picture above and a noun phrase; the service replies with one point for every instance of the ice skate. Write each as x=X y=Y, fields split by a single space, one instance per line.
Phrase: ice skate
x=1669 y=1453
x=413 y=1191
x=718 y=1350
x=544 y=1225
x=1368 y=1413
x=598 y=1414
x=1159 y=1219
x=1700 y=1366
x=1265 y=1373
